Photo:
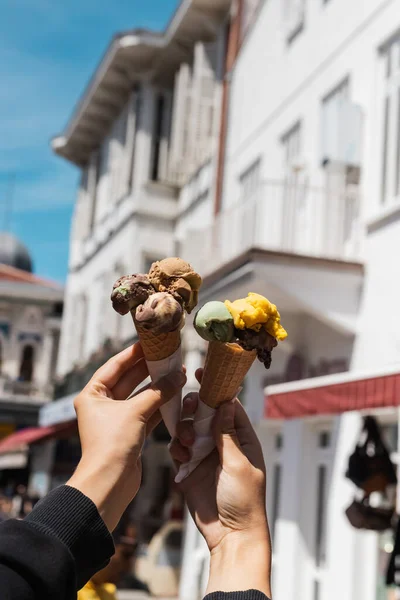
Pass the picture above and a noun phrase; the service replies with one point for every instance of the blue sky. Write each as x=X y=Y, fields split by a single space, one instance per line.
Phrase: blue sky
x=48 y=51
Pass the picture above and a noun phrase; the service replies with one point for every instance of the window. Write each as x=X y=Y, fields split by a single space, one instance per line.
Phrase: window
x=1 y=356
x=277 y=474
x=320 y=515
x=249 y=180
x=324 y=439
x=390 y=149
x=158 y=135
x=294 y=13
x=291 y=142
x=320 y=473
x=133 y=124
x=333 y=106
x=27 y=362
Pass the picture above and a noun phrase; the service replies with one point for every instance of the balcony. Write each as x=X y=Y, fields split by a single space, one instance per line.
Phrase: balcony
x=280 y=217
x=24 y=392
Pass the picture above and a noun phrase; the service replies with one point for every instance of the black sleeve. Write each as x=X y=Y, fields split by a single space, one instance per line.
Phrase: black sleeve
x=247 y=595
x=55 y=550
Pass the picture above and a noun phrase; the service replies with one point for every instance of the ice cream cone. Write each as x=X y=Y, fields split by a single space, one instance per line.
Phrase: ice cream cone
x=225 y=368
x=160 y=346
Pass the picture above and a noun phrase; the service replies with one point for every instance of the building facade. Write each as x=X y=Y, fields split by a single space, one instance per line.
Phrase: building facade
x=260 y=142
x=30 y=322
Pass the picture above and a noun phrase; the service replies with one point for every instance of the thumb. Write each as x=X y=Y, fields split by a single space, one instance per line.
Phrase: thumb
x=151 y=398
x=226 y=439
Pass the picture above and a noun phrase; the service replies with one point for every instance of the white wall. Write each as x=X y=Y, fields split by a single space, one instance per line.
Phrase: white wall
x=289 y=82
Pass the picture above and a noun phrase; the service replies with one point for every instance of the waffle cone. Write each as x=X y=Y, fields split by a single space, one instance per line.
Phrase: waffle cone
x=158 y=347
x=225 y=368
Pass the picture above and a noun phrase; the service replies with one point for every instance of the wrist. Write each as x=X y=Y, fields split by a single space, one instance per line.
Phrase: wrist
x=108 y=489
x=242 y=561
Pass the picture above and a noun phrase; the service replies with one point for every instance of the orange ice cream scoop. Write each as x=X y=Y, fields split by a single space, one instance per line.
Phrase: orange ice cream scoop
x=256 y=312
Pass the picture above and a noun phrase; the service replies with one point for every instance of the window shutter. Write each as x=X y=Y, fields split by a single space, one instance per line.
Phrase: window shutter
x=180 y=123
x=129 y=142
x=295 y=12
x=116 y=159
x=204 y=104
x=93 y=177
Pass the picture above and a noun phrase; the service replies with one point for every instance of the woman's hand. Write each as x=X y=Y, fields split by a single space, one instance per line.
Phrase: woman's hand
x=226 y=497
x=112 y=430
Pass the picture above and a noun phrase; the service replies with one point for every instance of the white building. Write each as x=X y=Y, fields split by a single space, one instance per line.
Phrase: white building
x=30 y=321
x=267 y=155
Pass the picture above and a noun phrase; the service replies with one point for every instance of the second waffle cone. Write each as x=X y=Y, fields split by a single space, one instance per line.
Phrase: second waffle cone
x=225 y=368
x=158 y=347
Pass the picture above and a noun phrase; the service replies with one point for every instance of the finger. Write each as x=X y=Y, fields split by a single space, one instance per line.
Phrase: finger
x=248 y=439
x=179 y=453
x=189 y=406
x=185 y=433
x=226 y=438
x=153 y=422
x=159 y=392
x=199 y=374
x=110 y=373
x=185 y=428
x=130 y=380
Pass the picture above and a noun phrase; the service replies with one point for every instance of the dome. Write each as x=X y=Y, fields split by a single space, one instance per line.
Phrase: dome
x=13 y=253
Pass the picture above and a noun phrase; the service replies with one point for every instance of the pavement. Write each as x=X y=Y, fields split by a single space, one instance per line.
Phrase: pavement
x=137 y=595
x=132 y=595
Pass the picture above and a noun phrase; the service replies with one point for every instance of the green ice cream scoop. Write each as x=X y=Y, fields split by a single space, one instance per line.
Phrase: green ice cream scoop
x=214 y=323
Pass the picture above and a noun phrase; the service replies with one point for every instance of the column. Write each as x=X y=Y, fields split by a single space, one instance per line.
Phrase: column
x=144 y=137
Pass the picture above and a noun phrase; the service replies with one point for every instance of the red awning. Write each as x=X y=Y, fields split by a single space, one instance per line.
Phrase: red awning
x=32 y=435
x=333 y=394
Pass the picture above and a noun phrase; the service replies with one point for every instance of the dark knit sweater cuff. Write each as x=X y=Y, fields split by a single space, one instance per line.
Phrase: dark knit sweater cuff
x=247 y=595
x=74 y=519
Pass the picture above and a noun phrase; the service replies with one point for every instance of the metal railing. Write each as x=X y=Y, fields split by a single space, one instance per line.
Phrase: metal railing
x=283 y=217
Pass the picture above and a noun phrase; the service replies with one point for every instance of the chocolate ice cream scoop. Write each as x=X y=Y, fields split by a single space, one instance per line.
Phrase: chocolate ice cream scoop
x=130 y=291
x=161 y=313
x=262 y=341
x=177 y=277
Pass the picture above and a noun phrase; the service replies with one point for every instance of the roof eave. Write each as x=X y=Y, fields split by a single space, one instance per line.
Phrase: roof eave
x=102 y=101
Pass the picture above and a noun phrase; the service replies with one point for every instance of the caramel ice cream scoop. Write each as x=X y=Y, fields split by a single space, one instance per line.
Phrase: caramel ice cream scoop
x=177 y=277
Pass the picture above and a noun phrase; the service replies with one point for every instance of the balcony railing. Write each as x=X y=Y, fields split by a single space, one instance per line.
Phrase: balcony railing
x=24 y=391
x=280 y=217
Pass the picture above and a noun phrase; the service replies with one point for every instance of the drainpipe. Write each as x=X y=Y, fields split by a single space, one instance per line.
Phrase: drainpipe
x=233 y=46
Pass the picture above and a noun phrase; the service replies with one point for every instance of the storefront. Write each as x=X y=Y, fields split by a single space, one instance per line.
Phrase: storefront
x=310 y=430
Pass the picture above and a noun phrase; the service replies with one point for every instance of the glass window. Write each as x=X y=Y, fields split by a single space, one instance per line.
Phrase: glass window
x=249 y=180
x=324 y=439
x=27 y=363
x=276 y=483
x=320 y=515
x=333 y=106
x=390 y=122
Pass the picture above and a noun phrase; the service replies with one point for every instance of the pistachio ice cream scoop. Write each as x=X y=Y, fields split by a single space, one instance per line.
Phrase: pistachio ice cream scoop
x=214 y=323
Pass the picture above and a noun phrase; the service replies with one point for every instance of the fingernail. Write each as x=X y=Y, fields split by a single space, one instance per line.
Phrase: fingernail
x=179 y=377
